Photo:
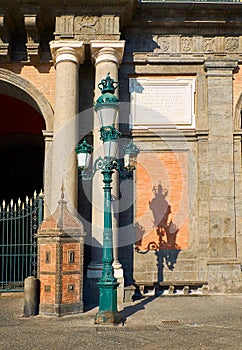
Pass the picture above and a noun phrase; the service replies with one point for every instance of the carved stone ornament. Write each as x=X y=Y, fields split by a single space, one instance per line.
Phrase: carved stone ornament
x=4 y=40
x=186 y=44
x=88 y=28
x=231 y=44
x=86 y=24
x=141 y=43
x=208 y=44
x=164 y=43
x=32 y=45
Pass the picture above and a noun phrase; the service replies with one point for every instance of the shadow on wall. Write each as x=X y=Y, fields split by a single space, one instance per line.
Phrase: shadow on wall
x=164 y=241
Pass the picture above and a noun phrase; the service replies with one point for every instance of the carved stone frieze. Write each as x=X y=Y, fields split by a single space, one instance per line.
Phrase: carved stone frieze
x=208 y=44
x=186 y=44
x=65 y=26
x=183 y=45
x=164 y=43
x=232 y=44
x=87 y=27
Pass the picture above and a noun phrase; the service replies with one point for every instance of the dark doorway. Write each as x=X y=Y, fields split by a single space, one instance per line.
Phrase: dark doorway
x=21 y=149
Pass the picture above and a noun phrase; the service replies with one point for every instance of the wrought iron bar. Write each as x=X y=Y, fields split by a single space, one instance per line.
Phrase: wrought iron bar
x=18 y=252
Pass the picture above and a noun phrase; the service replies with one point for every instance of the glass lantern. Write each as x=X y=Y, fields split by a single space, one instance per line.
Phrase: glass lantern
x=83 y=152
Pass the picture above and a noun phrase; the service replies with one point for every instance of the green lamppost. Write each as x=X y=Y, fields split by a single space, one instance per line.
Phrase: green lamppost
x=106 y=107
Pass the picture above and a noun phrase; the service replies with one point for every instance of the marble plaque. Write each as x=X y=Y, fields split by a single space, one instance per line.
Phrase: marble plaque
x=162 y=102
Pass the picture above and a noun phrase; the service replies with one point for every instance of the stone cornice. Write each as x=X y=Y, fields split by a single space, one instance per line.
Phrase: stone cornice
x=67 y=50
x=107 y=50
x=174 y=135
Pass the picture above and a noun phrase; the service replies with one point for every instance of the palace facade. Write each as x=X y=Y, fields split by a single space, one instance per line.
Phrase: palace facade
x=178 y=221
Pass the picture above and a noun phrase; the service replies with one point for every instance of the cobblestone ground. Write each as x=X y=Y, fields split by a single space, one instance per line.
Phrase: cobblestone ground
x=206 y=322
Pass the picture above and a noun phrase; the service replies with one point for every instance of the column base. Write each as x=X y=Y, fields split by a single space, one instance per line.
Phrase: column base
x=119 y=274
x=94 y=273
x=224 y=276
x=108 y=318
x=94 y=270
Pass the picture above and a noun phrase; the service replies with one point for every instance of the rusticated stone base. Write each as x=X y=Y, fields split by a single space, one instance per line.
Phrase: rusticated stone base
x=61 y=310
x=224 y=276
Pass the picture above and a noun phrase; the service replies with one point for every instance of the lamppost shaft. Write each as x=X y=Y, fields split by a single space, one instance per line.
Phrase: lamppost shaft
x=108 y=284
x=107 y=258
x=107 y=107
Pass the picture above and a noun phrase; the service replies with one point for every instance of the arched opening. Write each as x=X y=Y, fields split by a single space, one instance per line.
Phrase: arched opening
x=21 y=149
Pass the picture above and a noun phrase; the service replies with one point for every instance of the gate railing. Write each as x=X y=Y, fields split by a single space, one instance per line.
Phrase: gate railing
x=18 y=247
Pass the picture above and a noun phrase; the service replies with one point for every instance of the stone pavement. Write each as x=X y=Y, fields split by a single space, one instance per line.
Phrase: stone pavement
x=165 y=322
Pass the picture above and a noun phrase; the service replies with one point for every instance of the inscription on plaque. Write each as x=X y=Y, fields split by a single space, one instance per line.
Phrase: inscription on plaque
x=159 y=102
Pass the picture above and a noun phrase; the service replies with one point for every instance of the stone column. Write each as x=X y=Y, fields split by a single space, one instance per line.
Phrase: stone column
x=107 y=56
x=223 y=267
x=67 y=55
x=48 y=136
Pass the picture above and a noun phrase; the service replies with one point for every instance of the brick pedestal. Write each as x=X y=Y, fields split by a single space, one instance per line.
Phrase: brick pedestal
x=60 y=263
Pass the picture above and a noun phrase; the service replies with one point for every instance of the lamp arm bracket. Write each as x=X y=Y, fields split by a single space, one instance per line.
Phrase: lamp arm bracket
x=123 y=173
x=106 y=164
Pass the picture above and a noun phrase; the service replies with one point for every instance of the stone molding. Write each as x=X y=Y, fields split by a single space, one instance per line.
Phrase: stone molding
x=197 y=44
x=220 y=68
x=48 y=135
x=107 y=51
x=26 y=87
x=32 y=45
x=4 y=39
x=67 y=50
x=87 y=27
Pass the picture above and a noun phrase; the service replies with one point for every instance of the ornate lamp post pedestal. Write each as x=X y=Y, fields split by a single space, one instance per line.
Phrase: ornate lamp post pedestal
x=107 y=107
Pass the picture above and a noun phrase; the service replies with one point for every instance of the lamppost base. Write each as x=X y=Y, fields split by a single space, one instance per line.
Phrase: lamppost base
x=108 y=318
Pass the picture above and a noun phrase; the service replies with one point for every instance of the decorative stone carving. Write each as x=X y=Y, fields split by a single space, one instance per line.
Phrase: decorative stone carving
x=231 y=44
x=32 y=45
x=93 y=27
x=141 y=43
x=65 y=26
x=186 y=44
x=208 y=44
x=87 y=24
x=164 y=43
x=87 y=27
x=4 y=39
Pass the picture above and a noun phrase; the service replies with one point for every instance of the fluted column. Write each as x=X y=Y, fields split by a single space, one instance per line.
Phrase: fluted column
x=67 y=55
x=107 y=56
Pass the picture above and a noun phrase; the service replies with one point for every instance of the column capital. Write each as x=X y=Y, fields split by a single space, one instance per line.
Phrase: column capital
x=67 y=50
x=107 y=50
x=220 y=67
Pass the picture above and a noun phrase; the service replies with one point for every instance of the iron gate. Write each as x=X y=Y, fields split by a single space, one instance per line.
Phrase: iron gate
x=18 y=247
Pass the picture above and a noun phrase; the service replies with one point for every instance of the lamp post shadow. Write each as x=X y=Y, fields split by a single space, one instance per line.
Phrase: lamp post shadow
x=130 y=310
x=164 y=242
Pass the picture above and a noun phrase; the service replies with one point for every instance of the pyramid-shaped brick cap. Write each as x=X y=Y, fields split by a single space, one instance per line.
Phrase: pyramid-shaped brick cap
x=62 y=219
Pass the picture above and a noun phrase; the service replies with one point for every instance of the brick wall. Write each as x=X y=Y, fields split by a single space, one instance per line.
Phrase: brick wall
x=162 y=198
x=41 y=75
